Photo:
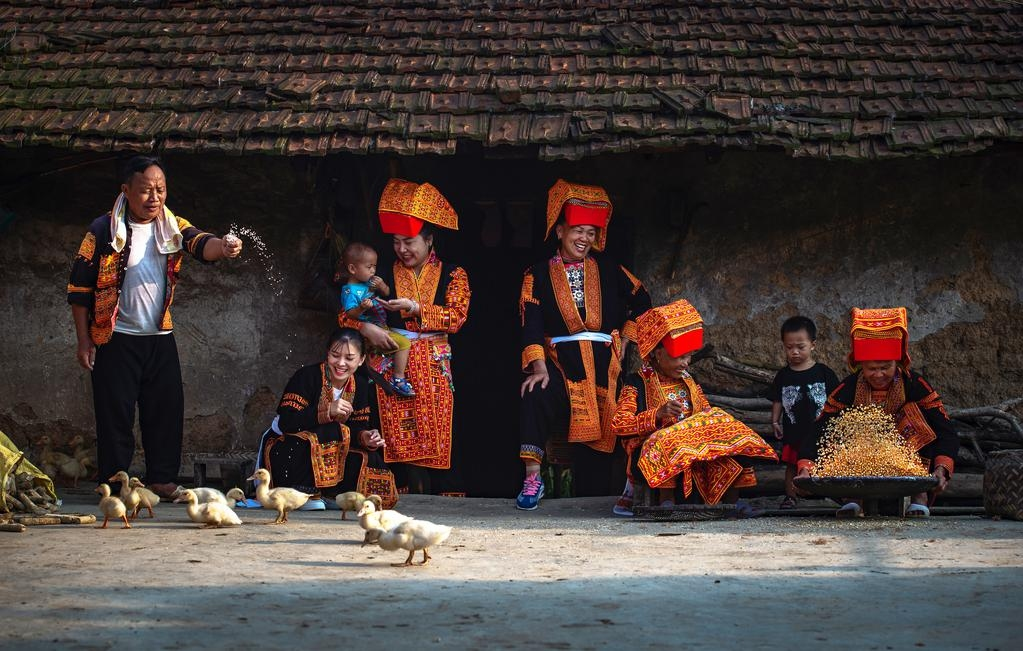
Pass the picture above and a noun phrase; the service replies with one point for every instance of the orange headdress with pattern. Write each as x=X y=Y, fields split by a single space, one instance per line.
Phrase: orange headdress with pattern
x=584 y=205
x=677 y=325
x=405 y=206
x=879 y=334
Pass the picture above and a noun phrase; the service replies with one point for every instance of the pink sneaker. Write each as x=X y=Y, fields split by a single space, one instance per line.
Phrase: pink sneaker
x=532 y=493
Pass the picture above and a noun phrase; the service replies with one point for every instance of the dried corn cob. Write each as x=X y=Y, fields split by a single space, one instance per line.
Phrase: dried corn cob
x=863 y=441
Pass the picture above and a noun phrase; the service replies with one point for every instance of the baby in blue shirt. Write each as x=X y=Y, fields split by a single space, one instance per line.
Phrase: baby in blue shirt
x=359 y=300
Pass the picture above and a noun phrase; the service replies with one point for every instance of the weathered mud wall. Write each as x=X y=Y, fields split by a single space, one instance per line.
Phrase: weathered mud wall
x=769 y=237
x=238 y=330
x=749 y=237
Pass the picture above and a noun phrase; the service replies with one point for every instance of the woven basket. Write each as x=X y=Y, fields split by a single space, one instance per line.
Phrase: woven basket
x=1003 y=484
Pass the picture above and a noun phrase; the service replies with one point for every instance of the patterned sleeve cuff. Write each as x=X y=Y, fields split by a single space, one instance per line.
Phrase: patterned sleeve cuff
x=629 y=330
x=804 y=464
x=948 y=463
x=531 y=353
x=647 y=421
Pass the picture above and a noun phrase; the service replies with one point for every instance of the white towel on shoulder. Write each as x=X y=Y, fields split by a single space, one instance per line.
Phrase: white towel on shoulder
x=168 y=235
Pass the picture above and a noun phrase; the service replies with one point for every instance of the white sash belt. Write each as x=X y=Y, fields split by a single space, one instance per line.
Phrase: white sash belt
x=583 y=336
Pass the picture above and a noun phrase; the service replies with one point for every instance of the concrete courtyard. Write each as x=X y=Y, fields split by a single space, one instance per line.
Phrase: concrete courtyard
x=568 y=576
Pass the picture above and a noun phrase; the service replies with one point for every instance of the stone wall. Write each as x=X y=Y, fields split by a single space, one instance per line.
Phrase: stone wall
x=749 y=237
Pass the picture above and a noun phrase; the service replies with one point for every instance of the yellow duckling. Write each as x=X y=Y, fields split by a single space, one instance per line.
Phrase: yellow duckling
x=280 y=499
x=234 y=496
x=374 y=521
x=130 y=496
x=210 y=514
x=134 y=494
x=203 y=494
x=111 y=507
x=413 y=535
x=353 y=501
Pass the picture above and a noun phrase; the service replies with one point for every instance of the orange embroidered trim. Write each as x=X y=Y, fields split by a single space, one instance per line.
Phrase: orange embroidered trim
x=948 y=463
x=327 y=395
x=629 y=330
x=81 y=290
x=531 y=353
x=637 y=284
x=584 y=412
x=563 y=296
x=913 y=427
x=566 y=304
x=327 y=458
x=194 y=244
x=88 y=247
x=627 y=421
x=747 y=479
x=591 y=283
x=422 y=290
x=420 y=200
x=526 y=296
x=713 y=478
x=451 y=316
x=418 y=430
x=294 y=401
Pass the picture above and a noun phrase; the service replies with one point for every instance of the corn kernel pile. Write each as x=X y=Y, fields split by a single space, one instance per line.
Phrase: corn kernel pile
x=863 y=441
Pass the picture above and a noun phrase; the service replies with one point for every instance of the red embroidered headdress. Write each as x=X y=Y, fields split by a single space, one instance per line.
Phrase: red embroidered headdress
x=405 y=205
x=677 y=325
x=584 y=205
x=879 y=335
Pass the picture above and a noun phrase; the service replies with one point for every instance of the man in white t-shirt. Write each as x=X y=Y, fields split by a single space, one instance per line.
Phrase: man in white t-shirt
x=120 y=290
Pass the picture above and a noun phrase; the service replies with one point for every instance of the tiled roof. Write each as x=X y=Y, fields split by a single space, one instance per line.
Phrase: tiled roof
x=571 y=78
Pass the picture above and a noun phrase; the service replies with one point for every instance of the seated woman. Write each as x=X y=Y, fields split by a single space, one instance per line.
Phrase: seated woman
x=670 y=430
x=880 y=363
x=310 y=447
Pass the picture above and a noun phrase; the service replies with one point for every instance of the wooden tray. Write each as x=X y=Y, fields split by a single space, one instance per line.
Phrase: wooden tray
x=865 y=487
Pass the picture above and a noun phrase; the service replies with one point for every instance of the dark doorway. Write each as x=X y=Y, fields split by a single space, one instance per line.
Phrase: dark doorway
x=501 y=203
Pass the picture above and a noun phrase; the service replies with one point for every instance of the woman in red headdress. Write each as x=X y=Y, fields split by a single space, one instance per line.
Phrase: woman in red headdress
x=881 y=375
x=575 y=307
x=431 y=301
x=675 y=440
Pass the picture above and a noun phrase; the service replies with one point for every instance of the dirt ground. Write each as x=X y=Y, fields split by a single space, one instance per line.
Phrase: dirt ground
x=568 y=576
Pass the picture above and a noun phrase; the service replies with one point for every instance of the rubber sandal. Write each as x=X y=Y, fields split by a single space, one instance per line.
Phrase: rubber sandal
x=744 y=510
x=850 y=510
x=918 y=511
x=248 y=504
x=788 y=503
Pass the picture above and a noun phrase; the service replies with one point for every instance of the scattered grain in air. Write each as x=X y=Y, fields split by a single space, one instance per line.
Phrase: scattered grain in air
x=273 y=277
x=863 y=441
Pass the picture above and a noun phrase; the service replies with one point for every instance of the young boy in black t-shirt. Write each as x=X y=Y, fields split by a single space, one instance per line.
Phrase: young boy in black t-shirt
x=799 y=392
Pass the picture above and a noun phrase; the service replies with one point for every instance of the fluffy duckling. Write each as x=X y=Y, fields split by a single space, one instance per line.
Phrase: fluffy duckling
x=210 y=514
x=280 y=499
x=51 y=461
x=413 y=535
x=204 y=494
x=129 y=496
x=234 y=496
x=86 y=455
x=148 y=498
x=374 y=521
x=111 y=507
x=353 y=501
